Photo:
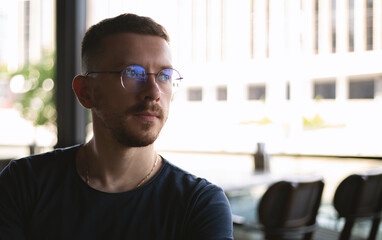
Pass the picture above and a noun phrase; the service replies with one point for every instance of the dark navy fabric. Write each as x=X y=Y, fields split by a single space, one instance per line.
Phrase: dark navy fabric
x=43 y=197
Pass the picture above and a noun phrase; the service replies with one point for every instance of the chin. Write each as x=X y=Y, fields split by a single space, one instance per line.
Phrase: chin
x=141 y=135
x=134 y=140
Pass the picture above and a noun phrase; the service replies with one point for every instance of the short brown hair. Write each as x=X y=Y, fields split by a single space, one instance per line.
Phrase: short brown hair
x=130 y=23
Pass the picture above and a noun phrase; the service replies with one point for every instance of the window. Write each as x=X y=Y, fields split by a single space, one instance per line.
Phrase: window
x=221 y=93
x=287 y=89
x=325 y=89
x=316 y=24
x=256 y=92
x=369 y=25
x=334 y=23
x=351 y=25
x=195 y=94
x=361 y=89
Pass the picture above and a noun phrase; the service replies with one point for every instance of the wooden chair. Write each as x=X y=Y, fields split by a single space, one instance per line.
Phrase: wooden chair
x=288 y=210
x=359 y=196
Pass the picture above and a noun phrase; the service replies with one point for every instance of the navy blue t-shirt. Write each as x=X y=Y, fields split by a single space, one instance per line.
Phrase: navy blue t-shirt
x=43 y=197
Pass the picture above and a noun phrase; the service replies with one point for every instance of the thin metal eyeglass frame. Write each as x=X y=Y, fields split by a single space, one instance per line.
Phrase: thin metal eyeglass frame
x=147 y=74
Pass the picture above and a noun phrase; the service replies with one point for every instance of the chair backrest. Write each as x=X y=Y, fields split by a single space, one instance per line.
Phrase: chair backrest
x=290 y=205
x=359 y=196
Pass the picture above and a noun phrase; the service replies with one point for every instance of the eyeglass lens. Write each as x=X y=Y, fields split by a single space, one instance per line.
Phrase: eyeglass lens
x=134 y=76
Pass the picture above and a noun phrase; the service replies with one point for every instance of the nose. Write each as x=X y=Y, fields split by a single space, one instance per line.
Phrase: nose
x=150 y=90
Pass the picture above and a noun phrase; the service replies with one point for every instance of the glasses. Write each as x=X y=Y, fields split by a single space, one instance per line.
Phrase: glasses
x=133 y=77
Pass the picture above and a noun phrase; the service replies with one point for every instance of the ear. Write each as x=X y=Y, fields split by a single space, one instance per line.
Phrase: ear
x=83 y=91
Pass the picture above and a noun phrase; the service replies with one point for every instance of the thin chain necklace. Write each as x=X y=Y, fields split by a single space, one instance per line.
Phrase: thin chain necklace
x=151 y=171
x=139 y=184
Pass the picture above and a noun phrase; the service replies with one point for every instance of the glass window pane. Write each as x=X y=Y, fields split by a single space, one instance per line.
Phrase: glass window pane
x=256 y=92
x=361 y=89
x=324 y=90
x=195 y=94
x=27 y=78
x=222 y=93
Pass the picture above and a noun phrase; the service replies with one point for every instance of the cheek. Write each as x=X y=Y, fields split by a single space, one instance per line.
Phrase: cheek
x=96 y=98
x=109 y=98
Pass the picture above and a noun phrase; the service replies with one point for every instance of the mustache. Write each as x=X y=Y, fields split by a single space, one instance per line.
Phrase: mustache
x=142 y=107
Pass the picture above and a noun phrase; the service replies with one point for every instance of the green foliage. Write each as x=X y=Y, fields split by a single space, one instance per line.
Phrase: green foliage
x=318 y=98
x=314 y=122
x=3 y=68
x=37 y=103
x=263 y=121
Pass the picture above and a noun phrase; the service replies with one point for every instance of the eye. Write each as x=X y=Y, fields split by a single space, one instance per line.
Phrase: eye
x=130 y=73
x=165 y=75
x=136 y=72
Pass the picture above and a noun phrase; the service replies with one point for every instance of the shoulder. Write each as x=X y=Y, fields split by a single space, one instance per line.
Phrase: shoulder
x=183 y=179
x=23 y=183
x=205 y=203
x=199 y=191
x=37 y=165
x=43 y=158
x=28 y=177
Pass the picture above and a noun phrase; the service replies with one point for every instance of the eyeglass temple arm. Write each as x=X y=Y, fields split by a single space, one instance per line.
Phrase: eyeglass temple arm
x=113 y=72
x=88 y=73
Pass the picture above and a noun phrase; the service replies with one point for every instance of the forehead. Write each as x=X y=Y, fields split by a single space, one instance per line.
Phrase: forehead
x=130 y=48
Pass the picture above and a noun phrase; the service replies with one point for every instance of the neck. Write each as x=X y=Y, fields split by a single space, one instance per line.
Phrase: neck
x=115 y=168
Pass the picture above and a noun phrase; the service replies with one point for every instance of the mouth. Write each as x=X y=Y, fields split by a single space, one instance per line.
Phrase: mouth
x=147 y=116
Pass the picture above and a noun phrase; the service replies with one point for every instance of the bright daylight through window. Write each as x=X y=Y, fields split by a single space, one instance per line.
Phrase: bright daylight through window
x=265 y=81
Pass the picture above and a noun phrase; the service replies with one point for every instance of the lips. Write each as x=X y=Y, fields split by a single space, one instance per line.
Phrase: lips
x=147 y=116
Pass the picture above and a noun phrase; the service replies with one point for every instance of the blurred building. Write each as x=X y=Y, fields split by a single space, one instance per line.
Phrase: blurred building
x=302 y=75
x=28 y=28
x=254 y=70
x=275 y=52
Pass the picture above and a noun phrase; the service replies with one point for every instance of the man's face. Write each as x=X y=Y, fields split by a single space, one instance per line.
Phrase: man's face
x=133 y=117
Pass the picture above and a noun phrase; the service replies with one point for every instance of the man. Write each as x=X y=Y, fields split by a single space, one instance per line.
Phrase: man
x=115 y=186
